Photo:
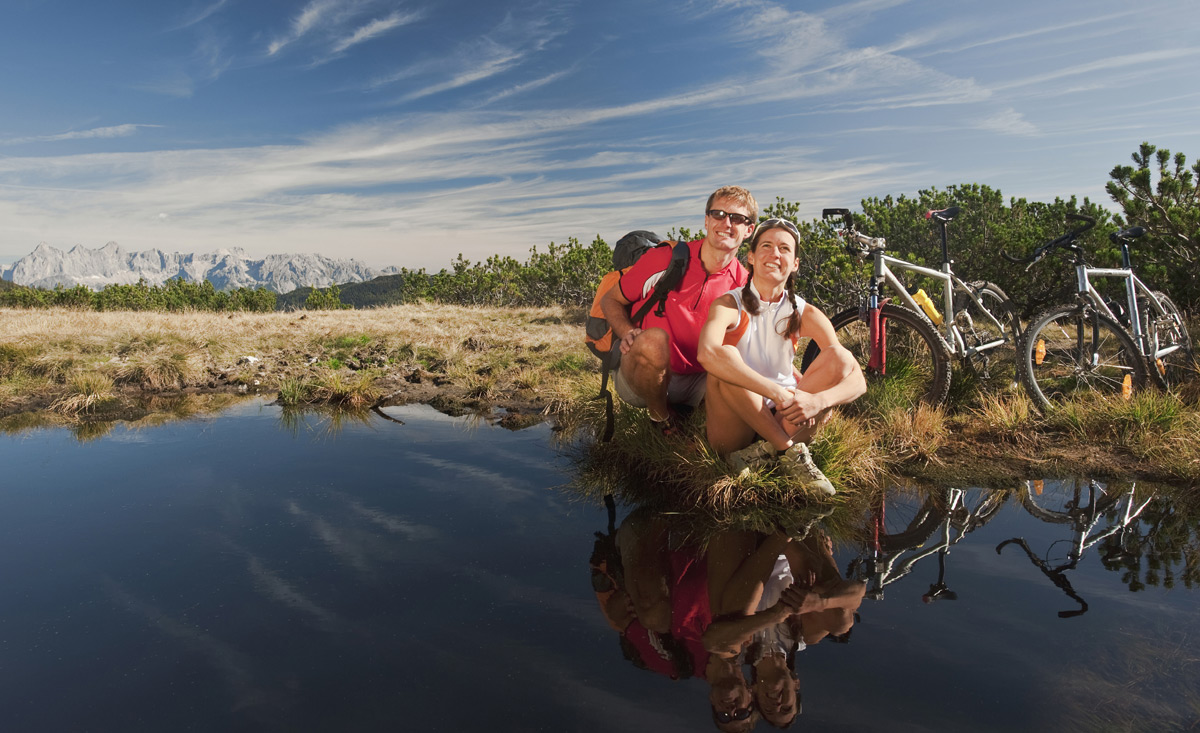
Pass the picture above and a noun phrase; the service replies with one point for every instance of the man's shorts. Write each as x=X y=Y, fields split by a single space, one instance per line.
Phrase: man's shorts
x=684 y=389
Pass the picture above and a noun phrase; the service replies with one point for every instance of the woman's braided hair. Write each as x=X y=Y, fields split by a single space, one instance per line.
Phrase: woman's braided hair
x=750 y=300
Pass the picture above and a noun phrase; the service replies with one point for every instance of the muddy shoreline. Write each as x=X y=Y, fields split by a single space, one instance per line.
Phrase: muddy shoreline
x=965 y=458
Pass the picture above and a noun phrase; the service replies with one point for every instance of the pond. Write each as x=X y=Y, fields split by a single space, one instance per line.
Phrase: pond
x=262 y=570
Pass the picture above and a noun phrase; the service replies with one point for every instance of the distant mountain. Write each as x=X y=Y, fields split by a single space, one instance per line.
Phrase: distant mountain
x=227 y=269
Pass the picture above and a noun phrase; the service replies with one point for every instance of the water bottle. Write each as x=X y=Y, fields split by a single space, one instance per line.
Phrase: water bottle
x=928 y=306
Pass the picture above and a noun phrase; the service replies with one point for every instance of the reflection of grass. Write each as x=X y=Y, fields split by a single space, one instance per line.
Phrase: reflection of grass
x=639 y=465
x=329 y=420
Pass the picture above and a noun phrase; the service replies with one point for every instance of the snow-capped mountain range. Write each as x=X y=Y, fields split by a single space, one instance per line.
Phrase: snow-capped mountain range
x=46 y=267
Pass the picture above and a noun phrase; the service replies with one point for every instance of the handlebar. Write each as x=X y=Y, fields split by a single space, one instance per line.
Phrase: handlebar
x=857 y=243
x=1066 y=240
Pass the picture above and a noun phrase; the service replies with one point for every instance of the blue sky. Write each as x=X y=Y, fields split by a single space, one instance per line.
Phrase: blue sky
x=404 y=133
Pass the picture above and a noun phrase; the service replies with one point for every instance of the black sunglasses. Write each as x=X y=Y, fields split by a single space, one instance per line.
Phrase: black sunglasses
x=739 y=714
x=719 y=215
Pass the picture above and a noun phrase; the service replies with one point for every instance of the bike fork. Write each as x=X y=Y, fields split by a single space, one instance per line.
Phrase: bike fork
x=877 y=325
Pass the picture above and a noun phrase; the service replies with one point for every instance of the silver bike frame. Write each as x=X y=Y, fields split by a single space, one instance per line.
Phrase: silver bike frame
x=1133 y=287
x=950 y=282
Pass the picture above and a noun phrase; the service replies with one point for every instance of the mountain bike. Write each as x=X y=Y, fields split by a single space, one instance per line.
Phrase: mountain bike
x=1083 y=518
x=900 y=343
x=1099 y=346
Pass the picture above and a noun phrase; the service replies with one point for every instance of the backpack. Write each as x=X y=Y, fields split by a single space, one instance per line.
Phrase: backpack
x=599 y=335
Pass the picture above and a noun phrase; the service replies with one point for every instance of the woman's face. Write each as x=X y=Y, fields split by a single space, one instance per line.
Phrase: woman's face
x=774 y=258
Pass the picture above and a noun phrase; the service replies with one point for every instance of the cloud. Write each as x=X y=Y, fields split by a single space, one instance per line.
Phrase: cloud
x=511 y=43
x=201 y=15
x=310 y=17
x=375 y=28
x=94 y=133
x=1007 y=122
x=1105 y=64
x=1040 y=30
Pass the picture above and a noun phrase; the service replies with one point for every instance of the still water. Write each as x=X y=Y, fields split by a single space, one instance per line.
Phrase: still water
x=259 y=571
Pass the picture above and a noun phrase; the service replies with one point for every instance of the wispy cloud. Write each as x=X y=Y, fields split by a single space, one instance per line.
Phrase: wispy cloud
x=526 y=87
x=310 y=17
x=375 y=28
x=96 y=132
x=1104 y=64
x=1040 y=30
x=201 y=15
x=501 y=60
x=511 y=43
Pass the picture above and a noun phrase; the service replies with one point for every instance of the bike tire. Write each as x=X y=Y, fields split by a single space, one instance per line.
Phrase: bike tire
x=1084 y=354
x=1164 y=332
x=910 y=523
x=997 y=365
x=917 y=368
x=978 y=508
x=1060 y=501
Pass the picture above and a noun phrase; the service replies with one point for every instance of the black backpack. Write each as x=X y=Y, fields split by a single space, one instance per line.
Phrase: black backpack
x=627 y=251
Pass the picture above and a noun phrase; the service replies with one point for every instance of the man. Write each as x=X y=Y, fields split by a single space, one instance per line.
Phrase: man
x=658 y=366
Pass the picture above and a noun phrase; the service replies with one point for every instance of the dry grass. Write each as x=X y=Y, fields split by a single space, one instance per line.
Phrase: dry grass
x=1011 y=418
x=913 y=434
x=86 y=390
x=340 y=356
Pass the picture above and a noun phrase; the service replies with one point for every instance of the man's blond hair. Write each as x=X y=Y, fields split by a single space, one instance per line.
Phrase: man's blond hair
x=738 y=194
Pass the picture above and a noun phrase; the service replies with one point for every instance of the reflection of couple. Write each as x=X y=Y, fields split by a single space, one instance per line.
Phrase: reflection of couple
x=745 y=599
x=740 y=328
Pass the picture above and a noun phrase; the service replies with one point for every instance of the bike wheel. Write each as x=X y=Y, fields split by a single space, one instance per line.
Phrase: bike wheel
x=1073 y=351
x=977 y=508
x=910 y=518
x=1163 y=332
x=997 y=364
x=916 y=367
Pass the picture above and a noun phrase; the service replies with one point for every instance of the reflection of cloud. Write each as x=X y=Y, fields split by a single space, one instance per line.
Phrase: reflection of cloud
x=394 y=524
x=233 y=665
x=280 y=590
x=277 y=589
x=339 y=543
x=454 y=475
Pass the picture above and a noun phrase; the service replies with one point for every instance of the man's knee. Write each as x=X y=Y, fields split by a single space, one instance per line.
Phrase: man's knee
x=652 y=348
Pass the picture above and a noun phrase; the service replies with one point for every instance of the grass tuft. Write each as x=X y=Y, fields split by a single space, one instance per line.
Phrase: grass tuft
x=85 y=391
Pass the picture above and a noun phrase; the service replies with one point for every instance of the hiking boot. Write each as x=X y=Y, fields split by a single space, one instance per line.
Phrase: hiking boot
x=755 y=455
x=804 y=523
x=797 y=463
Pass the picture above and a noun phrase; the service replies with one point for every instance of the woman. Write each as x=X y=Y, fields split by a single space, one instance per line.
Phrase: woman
x=748 y=345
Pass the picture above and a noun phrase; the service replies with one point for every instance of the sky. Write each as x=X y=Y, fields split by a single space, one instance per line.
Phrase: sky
x=406 y=133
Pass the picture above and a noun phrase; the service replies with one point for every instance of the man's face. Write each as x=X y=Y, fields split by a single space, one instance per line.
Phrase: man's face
x=722 y=233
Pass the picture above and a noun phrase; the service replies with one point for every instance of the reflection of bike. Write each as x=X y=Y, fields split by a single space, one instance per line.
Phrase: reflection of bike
x=901 y=532
x=1065 y=504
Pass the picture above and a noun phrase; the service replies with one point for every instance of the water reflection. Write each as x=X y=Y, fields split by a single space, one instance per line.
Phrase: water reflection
x=904 y=528
x=733 y=611
x=1105 y=517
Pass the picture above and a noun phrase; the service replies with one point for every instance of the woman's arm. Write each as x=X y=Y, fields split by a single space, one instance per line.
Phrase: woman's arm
x=723 y=360
x=851 y=384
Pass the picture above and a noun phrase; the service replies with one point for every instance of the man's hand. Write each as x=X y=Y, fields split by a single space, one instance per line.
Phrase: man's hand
x=627 y=340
